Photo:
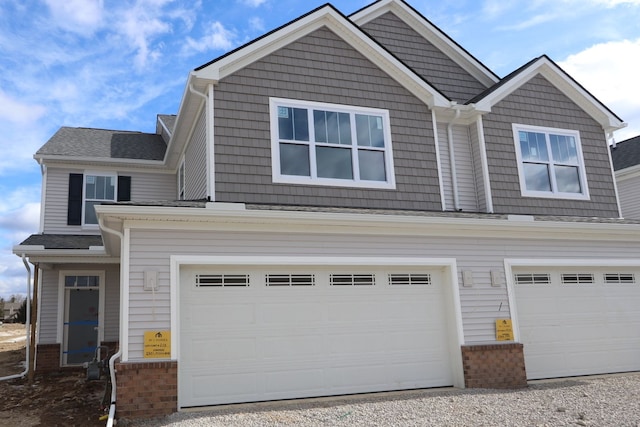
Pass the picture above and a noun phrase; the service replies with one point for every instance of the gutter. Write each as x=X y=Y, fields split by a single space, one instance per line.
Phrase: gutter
x=28 y=323
x=118 y=354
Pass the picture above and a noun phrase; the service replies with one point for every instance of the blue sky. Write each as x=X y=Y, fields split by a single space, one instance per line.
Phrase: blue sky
x=116 y=64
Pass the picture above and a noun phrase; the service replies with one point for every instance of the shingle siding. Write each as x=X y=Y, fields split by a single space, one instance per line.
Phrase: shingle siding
x=423 y=57
x=319 y=67
x=539 y=103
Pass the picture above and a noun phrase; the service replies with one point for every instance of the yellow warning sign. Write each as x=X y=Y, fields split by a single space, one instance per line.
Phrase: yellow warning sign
x=504 y=331
x=157 y=345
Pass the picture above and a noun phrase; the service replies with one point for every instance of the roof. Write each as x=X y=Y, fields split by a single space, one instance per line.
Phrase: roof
x=62 y=241
x=169 y=120
x=103 y=144
x=626 y=154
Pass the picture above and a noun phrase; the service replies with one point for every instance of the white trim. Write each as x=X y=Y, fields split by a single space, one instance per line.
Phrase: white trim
x=327 y=17
x=557 y=77
x=180 y=177
x=124 y=294
x=429 y=32
x=313 y=179
x=443 y=199
x=484 y=165
x=615 y=181
x=211 y=163
x=63 y=305
x=43 y=193
x=454 y=312
x=553 y=194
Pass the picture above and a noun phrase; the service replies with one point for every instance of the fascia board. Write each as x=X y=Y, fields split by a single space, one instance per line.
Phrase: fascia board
x=54 y=159
x=330 y=18
x=560 y=80
x=431 y=33
x=360 y=223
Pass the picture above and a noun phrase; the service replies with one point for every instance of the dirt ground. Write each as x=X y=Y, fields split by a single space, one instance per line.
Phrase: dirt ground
x=56 y=399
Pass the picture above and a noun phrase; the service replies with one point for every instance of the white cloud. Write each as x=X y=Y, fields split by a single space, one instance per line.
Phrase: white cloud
x=80 y=16
x=609 y=72
x=253 y=3
x=216 y=37
x=19 y=112
x=256 y=23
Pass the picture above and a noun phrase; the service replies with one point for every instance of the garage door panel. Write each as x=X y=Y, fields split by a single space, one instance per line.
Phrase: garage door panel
x=266 y=342
x=579 y=329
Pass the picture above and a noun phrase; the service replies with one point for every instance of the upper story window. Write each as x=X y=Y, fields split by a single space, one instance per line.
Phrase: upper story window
x=328 y=144
x=550 y=162
x=97 y=189
x=90 y=189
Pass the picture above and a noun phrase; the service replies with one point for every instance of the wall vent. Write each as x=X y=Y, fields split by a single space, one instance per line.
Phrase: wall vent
x=222 y=280
x=410 y=279
x=290 y=280
x=577 y=278
x=620 y=278
x=533 y=279
x=352 y=280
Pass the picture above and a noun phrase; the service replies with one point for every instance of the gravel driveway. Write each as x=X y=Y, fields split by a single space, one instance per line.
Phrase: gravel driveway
x=594 y=401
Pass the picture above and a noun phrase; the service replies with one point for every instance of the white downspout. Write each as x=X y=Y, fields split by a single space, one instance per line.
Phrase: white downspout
x=452 y=160
x=209 y=139
x=118 y=354
x=28 y=345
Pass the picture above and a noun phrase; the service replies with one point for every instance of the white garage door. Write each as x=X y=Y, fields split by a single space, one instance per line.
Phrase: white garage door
x=578 y=322
x=249 y=334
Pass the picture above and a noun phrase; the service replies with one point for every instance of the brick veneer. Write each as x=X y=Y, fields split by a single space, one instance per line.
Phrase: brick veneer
x=47 y=358
x=494 y=366
x=146 y=390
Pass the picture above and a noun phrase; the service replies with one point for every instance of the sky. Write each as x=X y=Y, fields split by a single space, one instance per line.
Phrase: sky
x=117 y=64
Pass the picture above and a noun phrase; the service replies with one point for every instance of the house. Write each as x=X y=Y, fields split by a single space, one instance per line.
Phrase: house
x=626 y=161
x=346 y=204
x=10 y=311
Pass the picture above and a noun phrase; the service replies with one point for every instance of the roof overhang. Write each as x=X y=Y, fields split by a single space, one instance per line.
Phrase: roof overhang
x=38 y=254
x=555 y=75
x=234 y=217
x=430 y=32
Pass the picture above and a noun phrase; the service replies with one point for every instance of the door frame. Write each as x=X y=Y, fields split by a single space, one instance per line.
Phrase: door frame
x=63 y=307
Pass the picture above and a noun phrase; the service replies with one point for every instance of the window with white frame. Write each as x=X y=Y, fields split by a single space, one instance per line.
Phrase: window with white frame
x=328 y=144
x=550 y=162
x=97 y=189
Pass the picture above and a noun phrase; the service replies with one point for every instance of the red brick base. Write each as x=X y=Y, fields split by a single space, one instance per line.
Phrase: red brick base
x=146 y=390
x=47 y=358
x=494 y=366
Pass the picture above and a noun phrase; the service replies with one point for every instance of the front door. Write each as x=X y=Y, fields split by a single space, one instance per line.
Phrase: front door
x=81 y=319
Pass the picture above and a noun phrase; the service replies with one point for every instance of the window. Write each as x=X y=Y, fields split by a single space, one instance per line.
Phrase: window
x=352 y=280
x=329 y=144
x=222 y=280
x=97 y=189
x=550 y=162
x=577 y=279
x=533 y=279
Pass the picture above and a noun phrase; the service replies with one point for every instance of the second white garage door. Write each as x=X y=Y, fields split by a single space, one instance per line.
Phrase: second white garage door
x=578 y=322
x=254 y=334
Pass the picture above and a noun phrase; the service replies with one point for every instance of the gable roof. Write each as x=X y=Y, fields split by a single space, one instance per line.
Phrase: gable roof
x=324 y=16
x=63 y=241
x=95 y=144
x=626 y=154
x=428 y=31
x=545 y=67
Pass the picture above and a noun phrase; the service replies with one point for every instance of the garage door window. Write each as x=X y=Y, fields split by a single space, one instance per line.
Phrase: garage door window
x=577 y=279
x=290 y=280
x=533 y=279
x=352 y=280
x=222 y=280
x=410 y=279
x=620 y=278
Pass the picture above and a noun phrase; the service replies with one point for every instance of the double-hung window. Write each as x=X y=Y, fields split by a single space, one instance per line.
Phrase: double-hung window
x=328 y=144
x=97 y=189
x=550 y=162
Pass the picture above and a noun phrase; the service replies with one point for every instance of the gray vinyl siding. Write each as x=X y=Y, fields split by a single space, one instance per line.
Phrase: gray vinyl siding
x=477 y=162
x=424 y=58
x=195 y=162
x=465 y=170
x=48 y=328
x=481 y=304
x=144 y=187
x=629 y=194
x=539 y=103
x=319 y=67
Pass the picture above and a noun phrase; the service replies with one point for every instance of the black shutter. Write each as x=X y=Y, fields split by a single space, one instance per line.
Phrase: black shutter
x=74 y=207
x=124 y=188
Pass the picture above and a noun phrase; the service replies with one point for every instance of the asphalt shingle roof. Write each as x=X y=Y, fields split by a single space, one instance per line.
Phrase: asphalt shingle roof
x=62 y=241
x=626 y=153
x=104 y=144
